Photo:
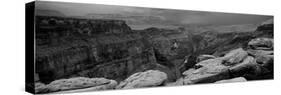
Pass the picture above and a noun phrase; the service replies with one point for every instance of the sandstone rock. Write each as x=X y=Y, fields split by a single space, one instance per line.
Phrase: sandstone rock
x=266 y=29
x=261 y=44
x=206 y=77
x=40 y=88
x=78 y=83
x=252 y=70
x=266 y=61
x=111 y=85
x=208 y=71
x=264 y=58
x=188 y=72
x=204 y=57
x=210 y=66
x=257 y=53
x=234 y=57
x=241 y=69
x=148 y=78
x=238 y=79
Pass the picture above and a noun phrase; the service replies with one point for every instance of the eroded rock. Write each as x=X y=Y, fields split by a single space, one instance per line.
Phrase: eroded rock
x=148 y=78
x=204 y=57
x=261 y=44
x=238 y=79
x=111 y=85
x=208 y=71
x=257 y=53
x=80 y=83
x=266 y=61
x=40 y=88
x=250 y=70
x=234 y=57
x=245 y=67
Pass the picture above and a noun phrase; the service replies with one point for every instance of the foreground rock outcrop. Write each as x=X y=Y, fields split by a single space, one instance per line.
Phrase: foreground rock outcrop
x=148 y=78
x=207 y=71
x=234 y=57
x=257 y=64
x=261 y=44
x=238 y=79
x=83 y=83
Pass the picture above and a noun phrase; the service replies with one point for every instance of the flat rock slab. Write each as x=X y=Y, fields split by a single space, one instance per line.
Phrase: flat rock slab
x=76 y=83
x=148 y=78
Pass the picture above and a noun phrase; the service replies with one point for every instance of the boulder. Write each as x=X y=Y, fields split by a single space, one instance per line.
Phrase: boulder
x=204 y=57
x=210 y=66
x=148 y=78
x=243 y=68
x=261 y=44
x=80 y=82
x=206 y=71
x=264 y=58
x=234 y=57
x=238 y=79
x=250 y=69
x=206 y=77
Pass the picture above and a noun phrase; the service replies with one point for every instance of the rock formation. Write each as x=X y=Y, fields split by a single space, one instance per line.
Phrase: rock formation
x=204 y=57
x=148 y=78
x=258 y=64
x=234 y=57
x=239 y=79
x=76 y=83
x=261 y=44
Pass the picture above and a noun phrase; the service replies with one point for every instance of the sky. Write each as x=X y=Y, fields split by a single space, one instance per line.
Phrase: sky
x=140 y=15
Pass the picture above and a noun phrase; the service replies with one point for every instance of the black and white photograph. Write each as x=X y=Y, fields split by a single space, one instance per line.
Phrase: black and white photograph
x=80 y=47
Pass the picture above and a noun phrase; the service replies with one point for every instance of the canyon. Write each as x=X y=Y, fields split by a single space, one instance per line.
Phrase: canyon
x=93 y=48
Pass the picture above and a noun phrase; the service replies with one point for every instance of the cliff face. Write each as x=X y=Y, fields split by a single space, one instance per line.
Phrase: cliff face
x=111 y=60
x=114 y=52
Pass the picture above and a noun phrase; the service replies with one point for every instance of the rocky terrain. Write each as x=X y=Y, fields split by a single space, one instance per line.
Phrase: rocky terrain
x=97 y=54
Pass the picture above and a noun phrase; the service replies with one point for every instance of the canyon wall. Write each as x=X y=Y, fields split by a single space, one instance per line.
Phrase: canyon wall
x=113 y=52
